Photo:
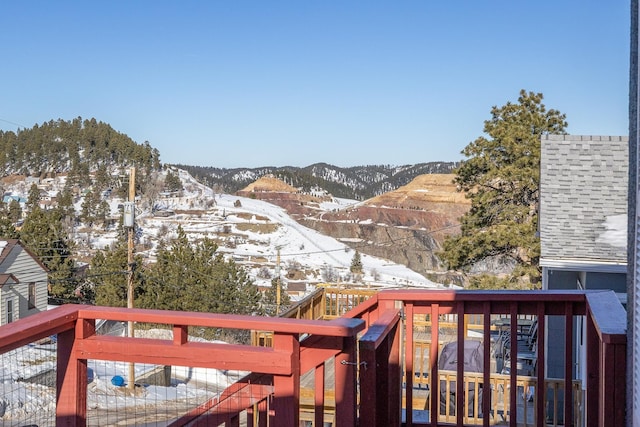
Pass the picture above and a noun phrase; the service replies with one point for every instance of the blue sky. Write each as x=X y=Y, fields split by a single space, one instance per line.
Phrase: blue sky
x=275 y=83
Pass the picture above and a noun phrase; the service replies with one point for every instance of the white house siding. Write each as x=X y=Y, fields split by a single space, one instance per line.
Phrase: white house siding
x=9 y=292
x=26 y=270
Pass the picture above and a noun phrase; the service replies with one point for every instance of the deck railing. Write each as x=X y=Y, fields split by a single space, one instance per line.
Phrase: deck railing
x=269 y=395
x=605 y=356
x=367 y=380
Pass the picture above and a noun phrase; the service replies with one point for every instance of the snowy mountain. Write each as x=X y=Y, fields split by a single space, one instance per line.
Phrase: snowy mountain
x=358 y=182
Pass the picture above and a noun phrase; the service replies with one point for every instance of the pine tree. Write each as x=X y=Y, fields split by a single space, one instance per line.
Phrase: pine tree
x=102 y=178
x=103 y=211
x=44 y=234
x=33 y=199
x=356 y=263
x=501 y=178
x=195 y=277
x=108 y=276
x=90 y=207
x=270 y=298
x=7 y=227
x=14 y=211
x=172 y=182
x=65 y=204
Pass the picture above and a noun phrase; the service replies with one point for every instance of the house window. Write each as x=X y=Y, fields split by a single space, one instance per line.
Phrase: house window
x=9 y=311
x=32 y=295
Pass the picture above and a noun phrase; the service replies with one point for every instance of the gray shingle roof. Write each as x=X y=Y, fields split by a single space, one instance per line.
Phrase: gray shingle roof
x=583 y=197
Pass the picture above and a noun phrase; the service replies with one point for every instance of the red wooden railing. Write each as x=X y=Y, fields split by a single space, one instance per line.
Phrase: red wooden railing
x=606 y=351
x=280 y=366
x=271 y=394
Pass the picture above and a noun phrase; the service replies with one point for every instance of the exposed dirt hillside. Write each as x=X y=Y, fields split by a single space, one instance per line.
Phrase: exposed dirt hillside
x=425 y=190
x=273 y=190
x=268 y=183
x=407 y=225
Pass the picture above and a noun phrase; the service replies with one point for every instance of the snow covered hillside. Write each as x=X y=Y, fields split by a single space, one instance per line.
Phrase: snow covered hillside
x=249 y=231
x=252 y=232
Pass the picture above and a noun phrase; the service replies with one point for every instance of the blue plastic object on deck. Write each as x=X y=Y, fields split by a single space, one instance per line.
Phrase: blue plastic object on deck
x=117 y=381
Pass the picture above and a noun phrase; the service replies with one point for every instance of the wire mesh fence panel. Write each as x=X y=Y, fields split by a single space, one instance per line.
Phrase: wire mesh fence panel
x=28 y=385
x=159 y=395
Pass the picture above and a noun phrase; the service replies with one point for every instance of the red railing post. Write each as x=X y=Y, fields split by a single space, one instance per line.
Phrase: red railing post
x=263 y=410
x=71 y=383
x=286 y=388
x=395 y=376
x=408 y=361
x=318 y=399
x=606 y=369
x=461 y=408
x=380 y=404
x=613 y=370
x=368 y=389
x=382 y=383
x=434 y=380
x=568 y=365
x=541 y=389
x=346 y=364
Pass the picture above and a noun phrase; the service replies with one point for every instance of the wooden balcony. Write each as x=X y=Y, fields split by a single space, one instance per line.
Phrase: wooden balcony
x=375 y=365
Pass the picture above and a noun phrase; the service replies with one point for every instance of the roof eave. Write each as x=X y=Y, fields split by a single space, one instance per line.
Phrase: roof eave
x=589 y=266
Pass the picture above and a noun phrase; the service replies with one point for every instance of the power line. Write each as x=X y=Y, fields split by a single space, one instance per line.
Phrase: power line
x=12 y=123
x=390 y=241
x=88 y=276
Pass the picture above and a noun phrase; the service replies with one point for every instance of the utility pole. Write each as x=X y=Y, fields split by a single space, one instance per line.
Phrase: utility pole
x=129 y=223
x=278 y=284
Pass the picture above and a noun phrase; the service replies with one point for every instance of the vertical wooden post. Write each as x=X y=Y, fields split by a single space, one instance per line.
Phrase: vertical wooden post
x=593 y=373
x=461 y=393
x=382 y=382
x=319 y=395
x=568 y=364
x=278 y=286
x=368 y=382
x=433 y=366
x=513 y=389
x=408 y=361
x=612 y=374
x=346 y=369
x=395 y=376
x=466 y=326
x=71 y=382
x=130 y=262
x=263 y=410
x=486 y=369
x=541 y=391
x=286 y=393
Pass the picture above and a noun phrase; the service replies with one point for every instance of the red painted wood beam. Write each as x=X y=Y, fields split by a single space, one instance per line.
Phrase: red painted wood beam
x=286 y=387
x=378 y=331
x=256 y=386
x=200 y=354
x=315 y=349
x=341 y=327
x=38 y=326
